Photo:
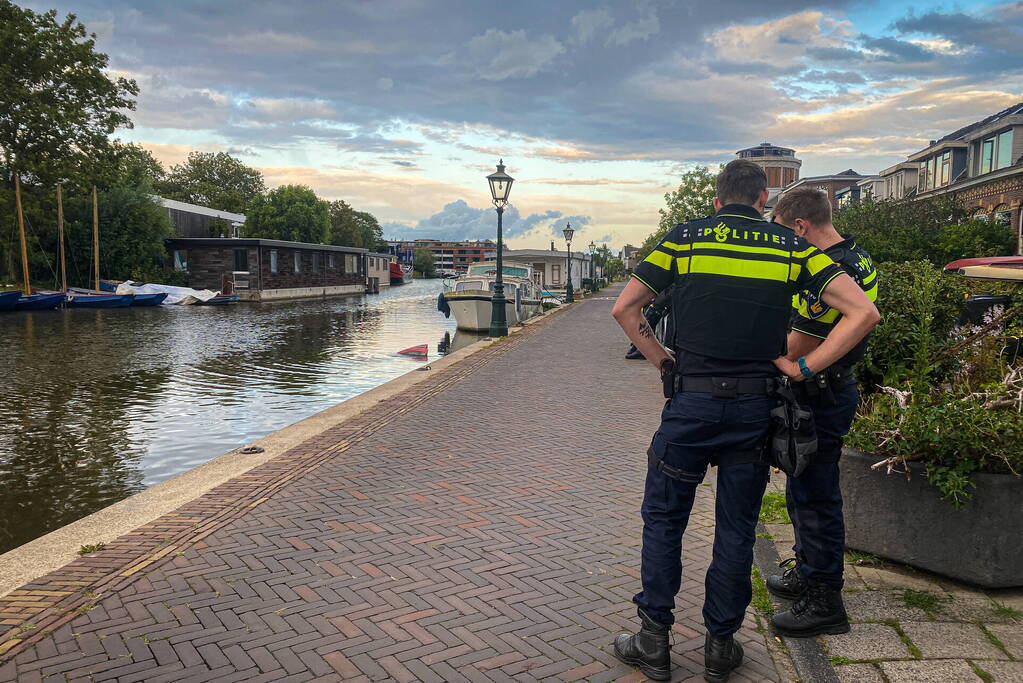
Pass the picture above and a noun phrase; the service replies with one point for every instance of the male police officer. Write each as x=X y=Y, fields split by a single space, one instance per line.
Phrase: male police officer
x=734 y=276
x=814 y=498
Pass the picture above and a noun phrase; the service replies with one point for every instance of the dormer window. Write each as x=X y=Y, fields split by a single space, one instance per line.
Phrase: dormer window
x=996 y=152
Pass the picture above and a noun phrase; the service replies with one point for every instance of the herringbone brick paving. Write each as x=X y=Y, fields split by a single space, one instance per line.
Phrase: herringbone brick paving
x=485 y=528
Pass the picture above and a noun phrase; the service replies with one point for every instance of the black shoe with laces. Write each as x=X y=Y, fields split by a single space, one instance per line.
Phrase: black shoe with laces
x=649 y=650
x=634 y=354
x=721 y=656
x=790 y=584
x=818 y=611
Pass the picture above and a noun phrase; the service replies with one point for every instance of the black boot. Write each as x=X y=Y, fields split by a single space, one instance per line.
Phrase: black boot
x=790 y=584
x=819 y=611
x=647 y=650
x=633 y=354
x=721 y=656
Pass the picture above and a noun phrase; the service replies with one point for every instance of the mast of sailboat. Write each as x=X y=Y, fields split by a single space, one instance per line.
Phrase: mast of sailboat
x=21 y=232
x=95 y=236
x=60 y=233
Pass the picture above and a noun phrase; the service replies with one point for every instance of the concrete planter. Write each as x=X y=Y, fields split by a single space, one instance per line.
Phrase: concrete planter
x=907 y=521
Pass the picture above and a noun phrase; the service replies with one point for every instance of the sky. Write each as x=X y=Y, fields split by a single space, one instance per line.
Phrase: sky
x=402 y=107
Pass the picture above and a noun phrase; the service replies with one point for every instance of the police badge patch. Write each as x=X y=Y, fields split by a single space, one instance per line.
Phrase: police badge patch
x=813 y=306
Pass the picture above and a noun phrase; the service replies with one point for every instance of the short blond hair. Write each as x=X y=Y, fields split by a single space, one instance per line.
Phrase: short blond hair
x=807 y=203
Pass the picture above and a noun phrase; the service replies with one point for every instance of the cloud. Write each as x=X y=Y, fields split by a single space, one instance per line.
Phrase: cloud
x=587 y=24
x=641 y=29
x=458 y=221
x=499 y=55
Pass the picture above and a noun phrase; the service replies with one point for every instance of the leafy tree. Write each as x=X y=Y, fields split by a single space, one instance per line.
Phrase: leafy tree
x=424 y=262
x=58 y=106
x=219 y=227
x=132 y=228
x=938 y=229
x=129 y=165
x=216 y=180
x=694 y=198
x=351 y=228
x=289 y=212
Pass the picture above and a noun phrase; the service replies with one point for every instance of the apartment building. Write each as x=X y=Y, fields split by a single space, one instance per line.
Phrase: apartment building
x=450 y=256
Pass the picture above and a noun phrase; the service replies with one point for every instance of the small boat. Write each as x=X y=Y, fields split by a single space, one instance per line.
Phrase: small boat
x=220 y=300
x=1012 y=273
x=984 y=261
x=8 y=299
x=83 y=298
x=400 y=274
x=471 y=295
x=420 y=351
x=39 y=302
x=149 y=299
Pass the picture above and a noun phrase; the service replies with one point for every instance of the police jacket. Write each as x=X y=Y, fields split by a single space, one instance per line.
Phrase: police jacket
x=735 y=276
x=813 y=317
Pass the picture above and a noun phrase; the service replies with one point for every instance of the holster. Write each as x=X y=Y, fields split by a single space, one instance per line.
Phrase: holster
x=793 y=434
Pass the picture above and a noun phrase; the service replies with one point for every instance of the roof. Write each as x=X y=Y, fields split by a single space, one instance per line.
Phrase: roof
x=766 y=149
x=194 y=242
x=545 y=253
x=201 y=210
x=966 y=130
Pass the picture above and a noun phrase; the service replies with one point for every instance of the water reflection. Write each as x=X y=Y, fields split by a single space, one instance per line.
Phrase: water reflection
x=96 y=405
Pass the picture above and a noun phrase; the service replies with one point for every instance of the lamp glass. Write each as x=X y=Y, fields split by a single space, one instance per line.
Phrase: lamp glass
x=568 y=232
x=500 y=184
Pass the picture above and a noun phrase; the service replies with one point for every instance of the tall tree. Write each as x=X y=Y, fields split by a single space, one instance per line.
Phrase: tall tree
x=424 y=262
x=694 y=198
x=216 y=180
x=351 y=228
x=289 y=212
x=129 y=165
x=58 y=106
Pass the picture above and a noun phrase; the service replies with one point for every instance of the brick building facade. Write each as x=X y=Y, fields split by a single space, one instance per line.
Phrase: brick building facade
x=451 y=256
x=270 y=269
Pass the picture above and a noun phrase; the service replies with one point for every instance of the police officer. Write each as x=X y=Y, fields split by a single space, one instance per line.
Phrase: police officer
x=813 y=579
x=735 y=275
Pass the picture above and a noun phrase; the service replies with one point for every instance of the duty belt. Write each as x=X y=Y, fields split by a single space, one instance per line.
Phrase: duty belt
x=725 y=387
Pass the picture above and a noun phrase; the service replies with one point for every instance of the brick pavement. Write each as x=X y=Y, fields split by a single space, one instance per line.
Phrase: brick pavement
x=484 y=528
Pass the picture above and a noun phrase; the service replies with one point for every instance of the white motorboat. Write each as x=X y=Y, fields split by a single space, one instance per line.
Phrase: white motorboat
x=469 y=297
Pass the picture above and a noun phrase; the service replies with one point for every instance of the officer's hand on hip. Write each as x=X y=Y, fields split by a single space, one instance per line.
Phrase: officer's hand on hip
x=789 y=368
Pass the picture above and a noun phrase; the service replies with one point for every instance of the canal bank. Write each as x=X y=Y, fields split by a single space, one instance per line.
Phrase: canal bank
x=101 y=404
x=482 y=526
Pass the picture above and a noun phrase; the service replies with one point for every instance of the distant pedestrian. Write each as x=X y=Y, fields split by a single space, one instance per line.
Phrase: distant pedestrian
x=734 y=275
x=813 y=578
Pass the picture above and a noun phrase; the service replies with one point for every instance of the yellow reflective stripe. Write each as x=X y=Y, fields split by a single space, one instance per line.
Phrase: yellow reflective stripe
x=872 y=293
x=676 y=247
x=870 y=278
x=829 y=317
x=796 y=270
x=682 y=263
x=742 y=248
x=817 y=263
x=806 y=252
x=723 y=265
x=645 y=283
x=659 y=259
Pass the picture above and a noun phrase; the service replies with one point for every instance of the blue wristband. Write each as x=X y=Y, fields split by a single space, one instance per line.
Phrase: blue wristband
x=805 y=370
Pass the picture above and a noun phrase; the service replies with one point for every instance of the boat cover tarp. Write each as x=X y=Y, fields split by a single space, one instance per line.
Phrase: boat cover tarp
x=175 y=295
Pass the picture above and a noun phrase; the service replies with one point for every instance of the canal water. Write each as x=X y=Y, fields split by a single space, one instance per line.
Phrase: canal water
x=97 y=405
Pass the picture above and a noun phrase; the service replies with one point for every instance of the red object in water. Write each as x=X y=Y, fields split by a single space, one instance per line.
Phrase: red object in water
x=419 y=351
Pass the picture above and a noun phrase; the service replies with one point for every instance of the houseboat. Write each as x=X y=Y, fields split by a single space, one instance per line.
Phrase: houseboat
x=400 y=274
x=469 y=297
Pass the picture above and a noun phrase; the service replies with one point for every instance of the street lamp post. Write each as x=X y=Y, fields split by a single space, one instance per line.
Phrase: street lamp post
x=593 y=269
x=568 y=231
x=500 y=188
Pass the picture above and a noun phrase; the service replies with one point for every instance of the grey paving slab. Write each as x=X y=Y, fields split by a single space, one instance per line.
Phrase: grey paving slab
x=1003 y=672
x=951 y=640
x=867 y=642
x=972 y=608
x=1011 y=636
x=881 y=604
x=859 y=673
x=938 y=671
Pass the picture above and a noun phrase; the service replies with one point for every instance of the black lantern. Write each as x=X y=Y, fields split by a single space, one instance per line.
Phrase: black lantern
x=593 y=268
x=569 y=292
x=500 y=188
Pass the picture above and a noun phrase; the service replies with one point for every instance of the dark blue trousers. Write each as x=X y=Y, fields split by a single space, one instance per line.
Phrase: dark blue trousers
x=695 y=429
x=814 y=498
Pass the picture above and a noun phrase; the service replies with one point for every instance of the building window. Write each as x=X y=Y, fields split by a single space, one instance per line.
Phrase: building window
x=331 y=261
x=980 y=214
x=241 y=260
x=298 y=261
x=316 y=262
x=181 y=261
x=350 y=263
x=273 y=261
x=1004 y=154
x=945 y=168
x=1003 y=216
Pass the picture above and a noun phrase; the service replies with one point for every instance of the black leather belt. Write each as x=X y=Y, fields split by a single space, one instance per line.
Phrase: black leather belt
x=725 y=387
